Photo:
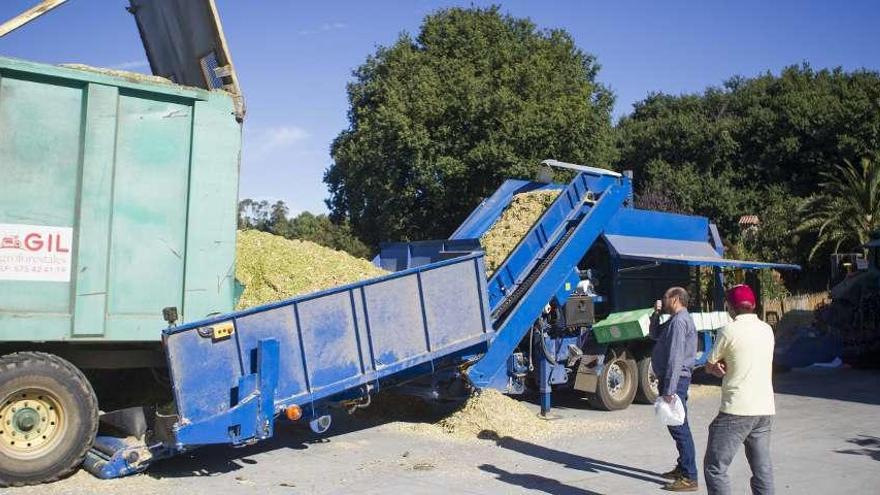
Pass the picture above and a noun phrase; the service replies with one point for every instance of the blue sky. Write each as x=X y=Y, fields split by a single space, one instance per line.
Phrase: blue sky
x=295 y=58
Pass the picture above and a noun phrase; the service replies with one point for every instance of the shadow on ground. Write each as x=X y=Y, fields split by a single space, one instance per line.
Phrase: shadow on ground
x=386 y=408
x=572 y=461
x=843 y=384
x=837 y=384
x=535 y=482
x=870 y=446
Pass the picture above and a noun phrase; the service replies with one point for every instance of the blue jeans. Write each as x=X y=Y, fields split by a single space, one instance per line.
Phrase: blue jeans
x=726 y=433
x=684 y=441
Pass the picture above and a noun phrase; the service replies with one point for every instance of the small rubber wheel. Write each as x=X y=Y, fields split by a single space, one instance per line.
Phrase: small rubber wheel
x=648 y=386
x=48 y=418
x=617 y=385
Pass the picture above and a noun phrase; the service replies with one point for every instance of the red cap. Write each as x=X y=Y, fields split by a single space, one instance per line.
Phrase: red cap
x=741 y=297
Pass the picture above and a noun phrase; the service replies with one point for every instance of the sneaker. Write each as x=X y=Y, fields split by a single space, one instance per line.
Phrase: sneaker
x=673 y=475
x=682 y=485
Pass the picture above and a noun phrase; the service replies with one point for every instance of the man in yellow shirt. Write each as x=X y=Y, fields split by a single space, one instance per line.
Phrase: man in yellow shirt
x=743 y=357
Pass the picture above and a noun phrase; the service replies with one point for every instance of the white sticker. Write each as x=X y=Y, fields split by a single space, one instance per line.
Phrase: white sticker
x=35 y=252
x=615 y=332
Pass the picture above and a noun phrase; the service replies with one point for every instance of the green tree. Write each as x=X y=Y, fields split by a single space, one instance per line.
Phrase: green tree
x=321 y=230
x=693 y=192
x=776 y=238
x=786 y=129
x=438 y=121
x=846 y=212
x=253 y=214
x=278 y=222
x=753 y=146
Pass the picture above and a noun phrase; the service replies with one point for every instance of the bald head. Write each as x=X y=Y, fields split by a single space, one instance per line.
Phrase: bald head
x=675 y=299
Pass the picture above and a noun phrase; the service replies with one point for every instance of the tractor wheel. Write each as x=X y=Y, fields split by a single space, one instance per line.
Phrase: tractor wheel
x=617 y=385
x=48 y=418
x=648 y=388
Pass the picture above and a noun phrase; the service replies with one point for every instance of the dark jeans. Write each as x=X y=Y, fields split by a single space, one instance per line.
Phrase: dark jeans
x=726 y=433
x=684 y=441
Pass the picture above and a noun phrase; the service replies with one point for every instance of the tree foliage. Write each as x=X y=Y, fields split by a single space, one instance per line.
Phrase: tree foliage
x=438 y=121
x=755 y=146
x=785 y=129
x=846 y=211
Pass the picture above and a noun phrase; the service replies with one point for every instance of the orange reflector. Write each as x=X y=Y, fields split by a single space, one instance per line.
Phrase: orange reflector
x=293 y=412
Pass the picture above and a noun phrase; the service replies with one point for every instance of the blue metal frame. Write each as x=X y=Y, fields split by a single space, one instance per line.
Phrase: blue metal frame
x=112 y=457
x=587 y=220
x=688 y=235
x=328 y=346
x=570 y=207
x=346 y=342
x=397 y=256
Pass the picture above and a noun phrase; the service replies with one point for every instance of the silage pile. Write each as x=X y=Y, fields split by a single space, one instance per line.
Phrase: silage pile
x=491 y=415
x=514 y=223
x=273 y=268
x=490 y=411
x=136 y=77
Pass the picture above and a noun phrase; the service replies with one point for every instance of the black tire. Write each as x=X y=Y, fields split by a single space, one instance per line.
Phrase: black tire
x=647 y=391
x=49 y=418
x=617 y=385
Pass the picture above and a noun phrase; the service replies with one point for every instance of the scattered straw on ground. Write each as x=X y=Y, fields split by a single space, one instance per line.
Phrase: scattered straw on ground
x=273 y=268
x=514 y=223
x=491 y=410
x=491 y=415
x=83 y=483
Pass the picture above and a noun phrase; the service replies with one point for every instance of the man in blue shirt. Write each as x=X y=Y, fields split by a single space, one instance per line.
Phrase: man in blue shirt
x=673 y=357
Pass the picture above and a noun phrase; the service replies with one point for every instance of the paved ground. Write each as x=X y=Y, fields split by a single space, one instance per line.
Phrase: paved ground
x=826 y=440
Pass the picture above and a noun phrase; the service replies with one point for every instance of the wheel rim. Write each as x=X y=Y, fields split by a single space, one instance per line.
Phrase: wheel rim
x=615 y=380
x=31 y=423
x=654 y=383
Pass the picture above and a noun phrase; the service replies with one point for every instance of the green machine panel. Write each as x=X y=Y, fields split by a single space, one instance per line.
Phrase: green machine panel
x=118 y=198
x=634 y=324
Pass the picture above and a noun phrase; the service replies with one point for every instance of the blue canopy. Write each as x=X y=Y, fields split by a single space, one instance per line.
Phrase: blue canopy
x=688 y=252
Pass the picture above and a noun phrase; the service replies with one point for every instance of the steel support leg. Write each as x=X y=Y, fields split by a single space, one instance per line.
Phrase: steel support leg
x=544 y=370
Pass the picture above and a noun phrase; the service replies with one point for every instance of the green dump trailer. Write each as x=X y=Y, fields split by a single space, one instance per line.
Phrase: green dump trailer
x=118 y=198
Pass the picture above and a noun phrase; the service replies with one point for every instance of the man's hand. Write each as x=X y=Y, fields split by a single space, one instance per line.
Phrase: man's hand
x=669 y=398
x=718 y=369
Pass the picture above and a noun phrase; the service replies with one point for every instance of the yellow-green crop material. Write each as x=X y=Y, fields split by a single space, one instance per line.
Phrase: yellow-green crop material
x=273 y=268
x=523 y=211
x=490 y=410
x=491 y=415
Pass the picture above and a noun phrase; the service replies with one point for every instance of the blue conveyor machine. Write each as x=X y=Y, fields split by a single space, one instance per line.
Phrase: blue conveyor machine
x=435 y=317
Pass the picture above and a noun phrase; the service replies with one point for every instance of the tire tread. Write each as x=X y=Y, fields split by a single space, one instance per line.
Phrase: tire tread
x=10 y=362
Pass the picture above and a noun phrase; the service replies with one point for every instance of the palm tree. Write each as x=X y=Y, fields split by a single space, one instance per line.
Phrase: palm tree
x=847 y=210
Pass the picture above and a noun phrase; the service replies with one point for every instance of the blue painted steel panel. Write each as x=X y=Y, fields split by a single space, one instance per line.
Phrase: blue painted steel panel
x=398 y=256
x=395 y=320
x=692 y=253
x=672 y=238
x=440 y=303
x=326 y=343
x=279 y=324
x=658 y=225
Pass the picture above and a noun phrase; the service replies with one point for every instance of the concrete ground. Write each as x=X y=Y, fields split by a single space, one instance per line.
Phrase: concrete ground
x=826 y=439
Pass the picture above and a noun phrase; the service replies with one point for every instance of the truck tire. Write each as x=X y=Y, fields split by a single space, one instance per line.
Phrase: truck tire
x=617 y=385
x=48 y=418
x=648 y=391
